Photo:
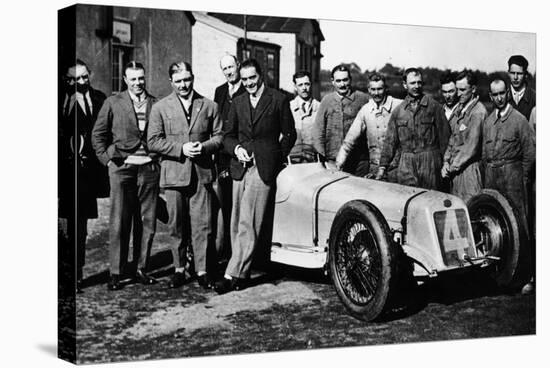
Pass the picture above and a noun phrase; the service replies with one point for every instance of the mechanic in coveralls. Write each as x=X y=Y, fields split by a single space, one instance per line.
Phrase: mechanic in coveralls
x=419 y=130
x=461 y=160
x=508 y=150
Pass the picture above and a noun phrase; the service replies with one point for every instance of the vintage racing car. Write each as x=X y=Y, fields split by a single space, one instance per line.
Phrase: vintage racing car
x=364 y=230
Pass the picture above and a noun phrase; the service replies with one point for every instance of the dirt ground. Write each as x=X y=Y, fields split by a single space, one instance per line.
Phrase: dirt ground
x=290 y=310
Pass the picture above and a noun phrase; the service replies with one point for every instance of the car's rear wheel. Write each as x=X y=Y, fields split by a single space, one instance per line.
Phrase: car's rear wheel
x=499 y=234
x=362 y=260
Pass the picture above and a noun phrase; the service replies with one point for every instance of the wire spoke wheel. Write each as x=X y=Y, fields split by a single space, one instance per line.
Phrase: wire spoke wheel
x=358 y=262
x=362 y=259
x=499 y=235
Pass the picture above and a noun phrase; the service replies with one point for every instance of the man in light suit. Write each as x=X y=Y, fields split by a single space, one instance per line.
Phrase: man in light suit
x=119 y=139
x=186 y=130
x=260 y=134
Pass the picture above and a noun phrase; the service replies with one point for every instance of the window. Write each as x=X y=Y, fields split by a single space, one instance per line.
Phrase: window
x=120 y=57
x=122 y=52
x=267 y=56
x=305 y=55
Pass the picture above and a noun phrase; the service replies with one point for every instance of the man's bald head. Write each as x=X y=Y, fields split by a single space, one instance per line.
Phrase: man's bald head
x=230 y=68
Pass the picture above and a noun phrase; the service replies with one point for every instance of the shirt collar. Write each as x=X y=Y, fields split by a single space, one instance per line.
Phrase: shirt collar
x=423 y=100
x=386 y=105
x=505 y=112
x=350 y=96
x=259 y=92
x=189 y=100
x=301 y=101
x=135 y=98
x=235 y=87
x=450 y=109
x=520 y=92
x=472 y=101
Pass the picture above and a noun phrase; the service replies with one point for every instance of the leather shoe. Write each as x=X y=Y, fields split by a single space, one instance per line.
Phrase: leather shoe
x=225 y=285
x=204 y=281
x=144 y=279
x=178 y=279
x=114 y=283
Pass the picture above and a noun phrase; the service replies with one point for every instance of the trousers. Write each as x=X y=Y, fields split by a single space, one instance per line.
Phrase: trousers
x=190 y=221
x=134 y=192
x=250 y=201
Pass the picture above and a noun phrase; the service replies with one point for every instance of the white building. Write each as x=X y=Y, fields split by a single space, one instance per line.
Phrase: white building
x=282 y=46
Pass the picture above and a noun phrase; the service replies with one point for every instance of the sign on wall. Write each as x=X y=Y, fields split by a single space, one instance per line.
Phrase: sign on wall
x=122 y=31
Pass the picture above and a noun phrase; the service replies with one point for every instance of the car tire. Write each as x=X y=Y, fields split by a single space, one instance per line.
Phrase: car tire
x=498 y=232
x=363 y=260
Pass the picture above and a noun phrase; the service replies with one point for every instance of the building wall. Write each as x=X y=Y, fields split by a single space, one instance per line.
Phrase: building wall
x=153 y=38
x=209 y=45
x=93 y=50
x=287 y=56
x=307 y=34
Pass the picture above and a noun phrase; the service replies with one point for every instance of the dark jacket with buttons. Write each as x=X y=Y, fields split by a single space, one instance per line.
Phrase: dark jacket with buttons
x=414 y=131
x=267 y=133
x=526 y=103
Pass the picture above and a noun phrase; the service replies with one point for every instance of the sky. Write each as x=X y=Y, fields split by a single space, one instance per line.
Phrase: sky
x=406 y=46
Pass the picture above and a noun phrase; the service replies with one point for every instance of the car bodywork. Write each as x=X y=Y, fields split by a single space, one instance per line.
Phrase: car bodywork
x=433 y=228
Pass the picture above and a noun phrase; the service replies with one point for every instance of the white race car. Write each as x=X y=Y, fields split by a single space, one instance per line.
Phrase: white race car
x=364 y=230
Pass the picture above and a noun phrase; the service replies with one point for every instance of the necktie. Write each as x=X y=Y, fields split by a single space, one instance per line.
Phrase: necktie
x=87 y=107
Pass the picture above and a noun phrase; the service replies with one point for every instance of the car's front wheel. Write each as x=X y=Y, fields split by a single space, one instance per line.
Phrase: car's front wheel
x=500 y=235
x=362 y=260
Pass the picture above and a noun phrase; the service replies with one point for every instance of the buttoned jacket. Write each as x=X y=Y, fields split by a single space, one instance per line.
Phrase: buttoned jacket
x=465 y=141
x=304 y=120
x=169 y=130
x=269 y=136
x=116 y=133
x=508 y=139
x=416 y=130
x=526 y=103
x=372 y=123
x=333 y=120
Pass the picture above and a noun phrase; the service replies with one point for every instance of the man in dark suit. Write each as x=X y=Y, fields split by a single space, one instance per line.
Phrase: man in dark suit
x=186 y=130
x=260 y=134
x=120 y=142
x=80 y=104
x=224 y=96
x=522 y=97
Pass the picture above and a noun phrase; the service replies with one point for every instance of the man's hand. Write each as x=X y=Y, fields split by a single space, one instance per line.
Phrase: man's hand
x=192 y=149
x=241 y=154
x=445 y=171
x=380 y=173
x=339 y=166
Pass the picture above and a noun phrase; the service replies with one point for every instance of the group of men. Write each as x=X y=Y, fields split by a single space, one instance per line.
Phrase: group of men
x=217 y=161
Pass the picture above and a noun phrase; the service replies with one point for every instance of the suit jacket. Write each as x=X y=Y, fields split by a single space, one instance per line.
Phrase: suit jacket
x=224 y=101
x=269 y=136
x=168 y=130
x=221 y=97
x=116 y=133
x=76 y=152
x=526 y=103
